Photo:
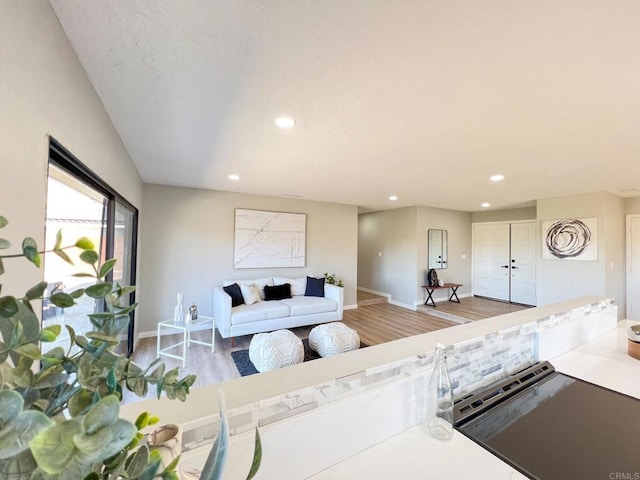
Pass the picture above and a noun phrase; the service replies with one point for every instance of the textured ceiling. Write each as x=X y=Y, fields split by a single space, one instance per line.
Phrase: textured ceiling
x=421 y=99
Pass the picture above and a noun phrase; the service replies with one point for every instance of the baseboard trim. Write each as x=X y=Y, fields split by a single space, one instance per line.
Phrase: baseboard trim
x=442 y=298
x=402 y=305
x=350 y=307
x=375 y=292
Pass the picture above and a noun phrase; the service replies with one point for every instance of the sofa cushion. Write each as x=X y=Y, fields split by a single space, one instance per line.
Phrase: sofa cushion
x=308 y=305
x=315 y=287
x=258 y=282
x=258 y=311
x=250 y=293
x=277 y=292
x=298 y=285
x=235 y=293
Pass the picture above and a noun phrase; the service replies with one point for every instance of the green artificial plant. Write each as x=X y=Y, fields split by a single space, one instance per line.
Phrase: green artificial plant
x=331 y=279
x=59 y=420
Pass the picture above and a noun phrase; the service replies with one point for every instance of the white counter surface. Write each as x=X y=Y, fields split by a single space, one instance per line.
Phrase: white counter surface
x=414 y=454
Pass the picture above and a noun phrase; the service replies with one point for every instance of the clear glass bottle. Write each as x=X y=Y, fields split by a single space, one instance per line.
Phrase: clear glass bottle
x=440 y=398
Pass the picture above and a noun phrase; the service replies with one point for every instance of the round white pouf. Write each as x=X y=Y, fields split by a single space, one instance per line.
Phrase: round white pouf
x=278 y=349
x=333 y=338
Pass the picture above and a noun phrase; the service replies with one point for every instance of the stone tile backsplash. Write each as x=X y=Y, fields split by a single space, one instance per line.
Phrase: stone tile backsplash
x=472 y=364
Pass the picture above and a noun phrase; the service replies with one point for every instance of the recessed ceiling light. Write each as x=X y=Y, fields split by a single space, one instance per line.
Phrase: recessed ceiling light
x=485 y=205
x=393 y=198
x=234 y=177
x=497 y=178
x=285 y=122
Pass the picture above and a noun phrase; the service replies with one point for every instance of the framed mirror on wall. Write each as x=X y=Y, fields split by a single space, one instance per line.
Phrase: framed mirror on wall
x=437 y=246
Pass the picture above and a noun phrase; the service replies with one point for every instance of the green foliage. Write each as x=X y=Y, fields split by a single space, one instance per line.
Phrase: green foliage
x=331 y=280
x=61 y=421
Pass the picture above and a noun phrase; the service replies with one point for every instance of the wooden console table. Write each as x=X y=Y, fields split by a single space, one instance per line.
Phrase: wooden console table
x=453 y=286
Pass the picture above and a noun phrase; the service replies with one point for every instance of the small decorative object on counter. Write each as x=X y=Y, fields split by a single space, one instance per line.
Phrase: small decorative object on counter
x=633 y=341
x=440 y=398
x=193 y=311
x=167 y=441
x=178 y=312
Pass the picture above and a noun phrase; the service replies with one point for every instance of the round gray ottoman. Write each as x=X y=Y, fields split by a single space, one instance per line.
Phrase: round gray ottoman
x=333 y=338
x=278 y=349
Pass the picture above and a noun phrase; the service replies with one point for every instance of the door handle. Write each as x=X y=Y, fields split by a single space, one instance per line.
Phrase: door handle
x=505 y=266
x=514 y=268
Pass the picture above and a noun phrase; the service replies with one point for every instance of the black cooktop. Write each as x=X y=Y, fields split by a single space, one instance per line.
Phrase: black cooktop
x=549 y=425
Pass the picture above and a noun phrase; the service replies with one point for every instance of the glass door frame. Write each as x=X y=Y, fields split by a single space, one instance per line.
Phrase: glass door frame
x=65 y=160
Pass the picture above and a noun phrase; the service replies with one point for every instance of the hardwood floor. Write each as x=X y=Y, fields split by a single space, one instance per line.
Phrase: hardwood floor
x=375 y=324
x=472 y=308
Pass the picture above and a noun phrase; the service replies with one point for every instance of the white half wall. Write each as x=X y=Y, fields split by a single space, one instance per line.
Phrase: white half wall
x=188 y=243
x=45 y=91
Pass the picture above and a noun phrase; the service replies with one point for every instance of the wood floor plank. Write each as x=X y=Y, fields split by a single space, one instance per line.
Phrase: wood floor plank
x=474 y=308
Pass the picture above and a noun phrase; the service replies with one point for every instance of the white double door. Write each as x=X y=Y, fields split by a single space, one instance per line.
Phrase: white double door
x=504 y=261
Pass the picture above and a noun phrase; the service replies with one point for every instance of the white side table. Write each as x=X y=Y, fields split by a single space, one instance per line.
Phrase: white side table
x=186 y=337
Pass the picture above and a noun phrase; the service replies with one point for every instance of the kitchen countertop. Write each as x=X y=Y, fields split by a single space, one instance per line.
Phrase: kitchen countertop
x=415 y=454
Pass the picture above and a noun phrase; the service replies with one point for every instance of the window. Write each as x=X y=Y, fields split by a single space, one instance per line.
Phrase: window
x=83 y=205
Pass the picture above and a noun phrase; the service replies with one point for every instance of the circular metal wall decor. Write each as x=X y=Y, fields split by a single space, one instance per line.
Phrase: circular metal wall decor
x=568 y=238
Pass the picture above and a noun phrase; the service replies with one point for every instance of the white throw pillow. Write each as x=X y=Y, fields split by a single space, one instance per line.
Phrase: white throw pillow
x=298 y=285
x=250 y=293
x=259 y=284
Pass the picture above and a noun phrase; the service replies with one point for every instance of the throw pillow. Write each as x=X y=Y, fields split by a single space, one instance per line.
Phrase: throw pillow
x=298 y=285
x=277 y=292
x=250 y=293
x=235 y=293
x=315 y=287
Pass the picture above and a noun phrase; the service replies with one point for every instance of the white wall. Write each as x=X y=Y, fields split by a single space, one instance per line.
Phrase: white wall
x=188 y=240
x=45 y=91
x=458 y=227
x=632 y=205
x=559 y=280
x=507 y=215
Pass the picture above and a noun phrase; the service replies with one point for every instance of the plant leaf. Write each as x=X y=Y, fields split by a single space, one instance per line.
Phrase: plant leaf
x=8 y=307
x=11 y=404
x=84 y=243
x=30 y=351
x=214 y=467
x=37 y=291
x=102 y=414
x=138 y=462
x=53 y=448
x=4 y=244
x=62 y=300
x=77 y=293
x=1 y=267
x=58 y=240
x=3 y=222
x=24 y=428
x=99 y=290
x=107 y=267
x=30 y=250
x=89 y=256
x=63 y=255
x=257 y=456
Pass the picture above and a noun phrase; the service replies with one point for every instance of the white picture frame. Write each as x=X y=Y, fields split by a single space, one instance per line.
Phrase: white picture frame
x=570 y=239
x=265 y=239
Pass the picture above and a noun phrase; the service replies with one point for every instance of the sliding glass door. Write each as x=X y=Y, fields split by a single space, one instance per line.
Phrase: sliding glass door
x=81 y=205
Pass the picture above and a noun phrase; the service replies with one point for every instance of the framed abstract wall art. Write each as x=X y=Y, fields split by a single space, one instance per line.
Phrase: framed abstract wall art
x=570 y=239
x=266 y=239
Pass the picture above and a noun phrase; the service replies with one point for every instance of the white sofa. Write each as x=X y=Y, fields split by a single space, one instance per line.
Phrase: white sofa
x=267 y=316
